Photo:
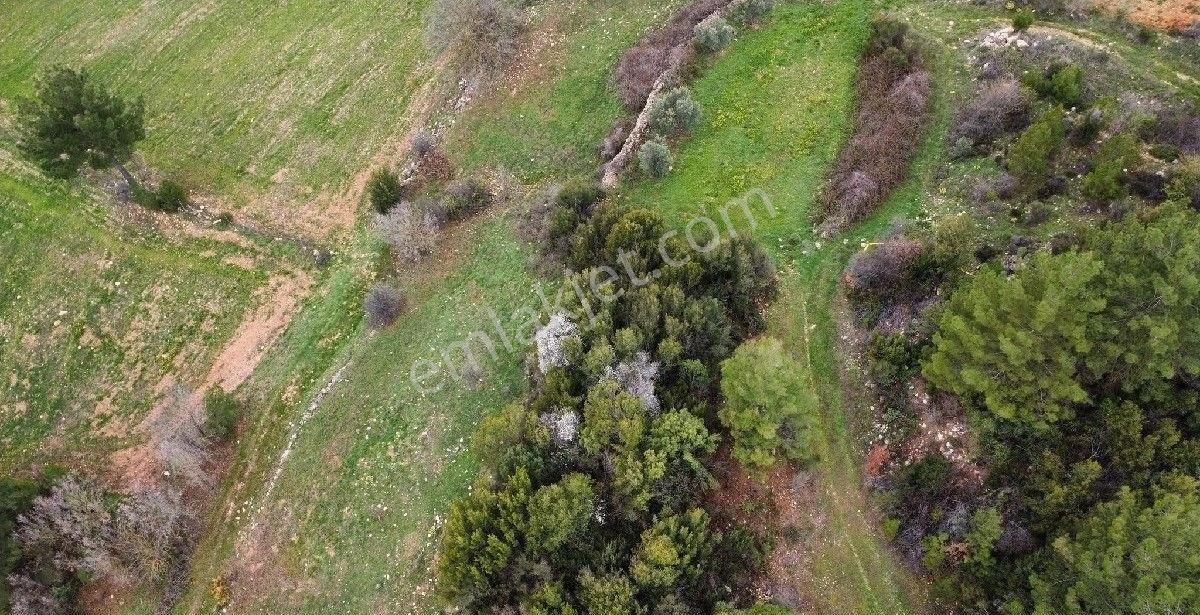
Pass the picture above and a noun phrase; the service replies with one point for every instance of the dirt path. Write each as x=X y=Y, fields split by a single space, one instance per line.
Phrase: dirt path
x=830 y=557
x=276 y=303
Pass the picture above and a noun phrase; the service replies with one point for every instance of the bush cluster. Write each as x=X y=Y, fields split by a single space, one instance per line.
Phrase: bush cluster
x=590 y=500
x=77 y=532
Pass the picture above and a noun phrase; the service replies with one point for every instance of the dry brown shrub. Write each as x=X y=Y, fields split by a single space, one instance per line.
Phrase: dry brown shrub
x=435 y=167
x=669 y=46
x=894 y=94
x=883 y=269
x=999 y=108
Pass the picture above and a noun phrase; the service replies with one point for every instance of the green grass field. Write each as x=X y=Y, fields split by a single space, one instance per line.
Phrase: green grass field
x=245 y=99
x=93 y=318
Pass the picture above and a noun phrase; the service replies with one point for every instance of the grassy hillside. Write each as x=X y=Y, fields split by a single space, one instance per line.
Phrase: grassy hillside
x=351 y=523
x=245 y=99
x=95 y=318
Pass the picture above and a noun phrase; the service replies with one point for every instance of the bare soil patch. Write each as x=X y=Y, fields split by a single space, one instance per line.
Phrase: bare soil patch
x=1166 y=15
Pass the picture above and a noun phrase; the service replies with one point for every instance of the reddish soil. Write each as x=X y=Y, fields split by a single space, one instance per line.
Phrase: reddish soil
x=1166 y=15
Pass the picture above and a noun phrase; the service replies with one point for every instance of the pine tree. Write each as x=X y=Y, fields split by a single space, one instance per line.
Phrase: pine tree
x=72 y=122
x=1016 y=343
x=767 y=407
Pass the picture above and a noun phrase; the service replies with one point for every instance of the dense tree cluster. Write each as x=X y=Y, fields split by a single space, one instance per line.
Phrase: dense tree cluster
x=591 y=495
x=1041 y=381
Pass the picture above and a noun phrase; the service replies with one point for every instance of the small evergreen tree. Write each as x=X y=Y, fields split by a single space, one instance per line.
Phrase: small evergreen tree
x=72 y=122
x=384 y=190
x=1031 y=154
x=767 y=407
x=1103 y=183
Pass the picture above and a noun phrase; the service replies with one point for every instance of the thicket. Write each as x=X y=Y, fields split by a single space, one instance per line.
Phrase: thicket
x=76 y=533
x=1080 y=373
x=1058 y=83
x=894 y=90
x=591 y=498
x=1033 y=372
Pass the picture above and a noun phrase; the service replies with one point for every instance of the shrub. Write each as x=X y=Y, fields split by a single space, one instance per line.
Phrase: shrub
x=1022 y=20
x=1103 y=183
x=411 y=234
x=1030 y=156
x=654 y=158
x=753 y=11
x=675 y=111
x=712 y=35
x=422 y=144
x=767 y=407
x=1061 y=83
x=384 y=190
x=1165 y=152
x=435 y=166
x=666 y=48
x=221 y=414
x=1180 y=128
x=171 y=196
x=883 y=269
x=480 y=36
x=383 y=305
x=464 y=197
x=998 y=109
